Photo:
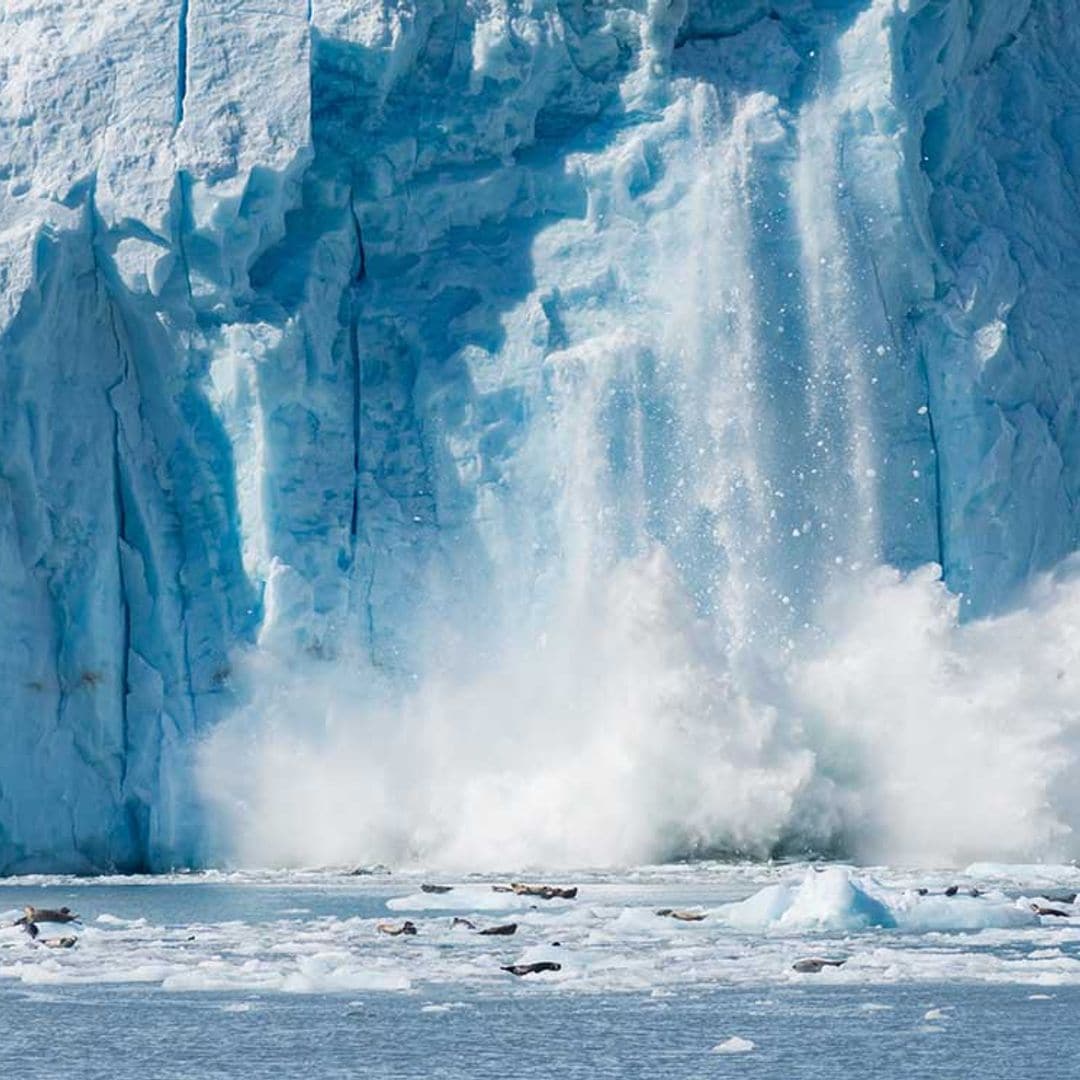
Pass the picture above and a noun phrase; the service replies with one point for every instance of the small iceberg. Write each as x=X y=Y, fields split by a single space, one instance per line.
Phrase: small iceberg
x=734 y=1045
x=833 y=900
x=826 y=900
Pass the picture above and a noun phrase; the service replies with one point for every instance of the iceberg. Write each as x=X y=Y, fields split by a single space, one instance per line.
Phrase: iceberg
x=834 y=900
x=826 y=900
x=474 y=355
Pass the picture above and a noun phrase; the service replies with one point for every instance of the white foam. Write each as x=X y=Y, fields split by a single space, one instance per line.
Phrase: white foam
x=891 y=724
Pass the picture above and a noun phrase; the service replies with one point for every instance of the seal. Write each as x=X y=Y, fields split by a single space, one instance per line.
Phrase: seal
x=39 y=915
x=532 y=969
x=682 y=916
x=438 y=889
x=460 y=921
x=814 y=964
x=1040 y=910
x=500 y=931
x=407 y=928
x=52 y=943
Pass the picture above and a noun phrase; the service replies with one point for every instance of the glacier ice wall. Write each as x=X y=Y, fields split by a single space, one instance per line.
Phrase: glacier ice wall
x=369 y=337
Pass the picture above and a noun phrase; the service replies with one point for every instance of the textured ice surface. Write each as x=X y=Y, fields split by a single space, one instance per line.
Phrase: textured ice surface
x=315 y=933
x=370 y=335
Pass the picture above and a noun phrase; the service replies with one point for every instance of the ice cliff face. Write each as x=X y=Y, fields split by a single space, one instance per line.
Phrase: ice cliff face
x=317 y=319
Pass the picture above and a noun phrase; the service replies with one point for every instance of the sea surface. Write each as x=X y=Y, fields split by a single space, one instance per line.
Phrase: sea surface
x=286 y=975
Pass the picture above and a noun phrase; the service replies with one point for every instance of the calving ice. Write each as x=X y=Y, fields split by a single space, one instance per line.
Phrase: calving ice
x=504 y=434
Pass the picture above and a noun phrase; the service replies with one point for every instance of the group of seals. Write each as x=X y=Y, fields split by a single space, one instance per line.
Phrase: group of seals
x=408 y=929
x=542 y=892
x=31 y=916
x=952 y=890
x=1039 y=909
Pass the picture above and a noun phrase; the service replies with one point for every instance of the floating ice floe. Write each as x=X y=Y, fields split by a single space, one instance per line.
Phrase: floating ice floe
x=834 y=900
x=468 y=898
x=734 y=1045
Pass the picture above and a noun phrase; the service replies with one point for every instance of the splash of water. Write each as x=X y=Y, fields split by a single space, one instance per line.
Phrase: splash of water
x=624 y=735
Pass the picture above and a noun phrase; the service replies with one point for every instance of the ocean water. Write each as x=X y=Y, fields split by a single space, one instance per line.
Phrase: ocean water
x=285 y=975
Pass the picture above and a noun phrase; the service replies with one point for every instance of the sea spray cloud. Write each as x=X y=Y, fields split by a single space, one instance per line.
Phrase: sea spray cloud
x=614 y=736
x=891 y=731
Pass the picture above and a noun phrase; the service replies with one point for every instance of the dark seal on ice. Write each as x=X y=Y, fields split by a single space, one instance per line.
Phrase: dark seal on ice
x=407 y=928
x=1053 y=911
x=812 y=965
x=532 y=969
x=50 y=915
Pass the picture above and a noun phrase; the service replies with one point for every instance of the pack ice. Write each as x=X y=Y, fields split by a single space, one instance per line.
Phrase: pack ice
x=319 y=317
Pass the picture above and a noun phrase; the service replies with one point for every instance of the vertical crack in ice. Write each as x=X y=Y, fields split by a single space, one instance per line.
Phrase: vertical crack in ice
x=121 y=539
x=181 y=62
x=181 y=247
x=358 y=277
x=123 y=368
x=939 y=510
x=357 y=382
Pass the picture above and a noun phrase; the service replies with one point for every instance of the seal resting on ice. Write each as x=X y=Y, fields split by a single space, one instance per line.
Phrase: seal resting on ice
x=544 y=892
x=39 y=915
x=682 y=916
x=532 y=969
x=812 y=965
x=66 y=942
x=407 y=928
x=1040 y=910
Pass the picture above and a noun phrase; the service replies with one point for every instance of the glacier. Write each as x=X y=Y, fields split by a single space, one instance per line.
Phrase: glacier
x=478 y=410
